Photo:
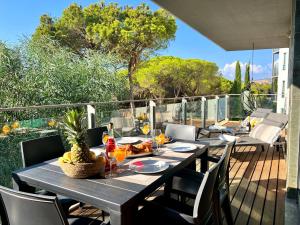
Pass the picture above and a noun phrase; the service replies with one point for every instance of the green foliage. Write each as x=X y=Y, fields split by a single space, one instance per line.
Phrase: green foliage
x=247 y=84
x=237 y=83
x=226 y=85
x=42 y=72
x=131 y=33
x=168 y=76
x=261 y=88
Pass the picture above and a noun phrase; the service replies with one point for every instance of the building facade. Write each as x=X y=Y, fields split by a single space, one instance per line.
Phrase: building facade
x=280 y=78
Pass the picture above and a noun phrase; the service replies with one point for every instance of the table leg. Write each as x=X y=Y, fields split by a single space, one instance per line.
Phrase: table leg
x=123 y=218
x=19 y=185
x=204 y=161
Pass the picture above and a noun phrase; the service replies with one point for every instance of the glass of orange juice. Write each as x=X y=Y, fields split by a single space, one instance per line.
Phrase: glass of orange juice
x=120 y=156
x=146 y=128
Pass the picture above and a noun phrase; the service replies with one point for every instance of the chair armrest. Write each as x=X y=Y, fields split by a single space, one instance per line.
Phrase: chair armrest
x=190 y=174
x=213 y=159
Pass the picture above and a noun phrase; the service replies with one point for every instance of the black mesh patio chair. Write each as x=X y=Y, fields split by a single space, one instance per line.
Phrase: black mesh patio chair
x=22 y=208
x=94 y=136
x=39 y=150
x=164 y=210
x=187 y=183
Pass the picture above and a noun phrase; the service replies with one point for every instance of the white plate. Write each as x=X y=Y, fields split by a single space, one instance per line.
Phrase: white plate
x=149 y=166
x=183 y=147
x=127 y=140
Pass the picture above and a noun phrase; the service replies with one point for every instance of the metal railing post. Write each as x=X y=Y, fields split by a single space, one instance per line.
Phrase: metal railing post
x=217 y=109
x=203 y=111
x=184 y=110
x=91 y=114
x=226 y=107
x=152 y=106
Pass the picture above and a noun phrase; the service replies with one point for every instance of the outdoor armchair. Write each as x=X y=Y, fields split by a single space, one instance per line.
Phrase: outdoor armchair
x=187 y=182
x=39 y=150
x=21 y=208
x=164 y=210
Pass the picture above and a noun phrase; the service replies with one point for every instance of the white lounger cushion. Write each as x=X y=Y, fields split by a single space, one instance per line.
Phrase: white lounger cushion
x=266 y=133
x=229 y=138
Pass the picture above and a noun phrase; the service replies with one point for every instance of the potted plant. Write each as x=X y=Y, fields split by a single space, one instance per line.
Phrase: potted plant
x=80 y=162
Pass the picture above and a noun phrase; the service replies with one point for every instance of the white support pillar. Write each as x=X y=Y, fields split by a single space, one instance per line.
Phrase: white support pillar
x=184 y=110
x=217 y=109
x=91 y=114
x=203 y=111
x=227 y=107
x=152 y=106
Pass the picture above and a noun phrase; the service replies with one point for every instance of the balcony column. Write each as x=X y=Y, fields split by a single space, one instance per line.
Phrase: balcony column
x=293 y=153
x=91 y=115
x=152 y=106
x=226 y=107
x=184 y=110
x=217 y=109
x=203 y=111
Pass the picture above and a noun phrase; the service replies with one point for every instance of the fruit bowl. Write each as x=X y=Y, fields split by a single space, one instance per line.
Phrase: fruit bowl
x=82 y=170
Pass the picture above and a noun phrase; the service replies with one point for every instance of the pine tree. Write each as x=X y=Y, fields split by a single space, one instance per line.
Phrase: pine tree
x=247 y=77
x=237 y=83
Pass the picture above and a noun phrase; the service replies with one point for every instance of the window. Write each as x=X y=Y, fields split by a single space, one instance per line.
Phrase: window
x=284 y=61
x=283 y=89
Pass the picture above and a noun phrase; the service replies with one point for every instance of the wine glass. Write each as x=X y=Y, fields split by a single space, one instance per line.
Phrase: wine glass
x=146 y=128
x=155 y=137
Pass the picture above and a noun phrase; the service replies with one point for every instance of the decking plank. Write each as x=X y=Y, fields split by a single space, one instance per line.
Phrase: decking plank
x=245 y=209
x=258 y=206
x=281 y=190
x=247 y=171
x=270 y=201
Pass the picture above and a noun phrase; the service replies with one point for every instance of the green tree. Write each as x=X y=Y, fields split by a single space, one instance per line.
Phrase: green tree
x=226 y=85
x=43 y=72
x=247 y=84
x=237 y=83
x=131 y=33
x=168 y=76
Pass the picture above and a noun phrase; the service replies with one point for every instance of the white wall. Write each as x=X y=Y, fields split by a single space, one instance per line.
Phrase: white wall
x=282 y=90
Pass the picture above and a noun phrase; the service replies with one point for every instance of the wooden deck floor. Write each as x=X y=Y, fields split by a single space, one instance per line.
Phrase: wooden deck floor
x=257 y=186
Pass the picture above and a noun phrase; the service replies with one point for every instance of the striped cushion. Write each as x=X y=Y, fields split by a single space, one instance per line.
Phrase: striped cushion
x=266 y=133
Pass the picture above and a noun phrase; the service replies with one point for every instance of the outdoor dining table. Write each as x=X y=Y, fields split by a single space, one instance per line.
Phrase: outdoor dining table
x=119 y=195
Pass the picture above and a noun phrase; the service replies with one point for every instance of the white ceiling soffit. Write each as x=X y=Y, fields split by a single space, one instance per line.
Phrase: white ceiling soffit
x=237 y=24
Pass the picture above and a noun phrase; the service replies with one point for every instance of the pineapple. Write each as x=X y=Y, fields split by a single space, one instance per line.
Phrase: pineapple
x=76 y=136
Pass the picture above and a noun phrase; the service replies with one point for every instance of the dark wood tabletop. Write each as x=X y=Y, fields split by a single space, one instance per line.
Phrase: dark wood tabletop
x=119 y=195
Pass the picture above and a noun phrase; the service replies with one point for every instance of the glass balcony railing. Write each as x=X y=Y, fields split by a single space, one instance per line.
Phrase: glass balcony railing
x=24 y=123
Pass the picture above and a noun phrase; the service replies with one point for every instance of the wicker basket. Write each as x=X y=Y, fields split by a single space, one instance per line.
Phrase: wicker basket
x=82 y=170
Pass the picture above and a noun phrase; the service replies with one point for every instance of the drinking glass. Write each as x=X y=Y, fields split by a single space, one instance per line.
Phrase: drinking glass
x=155 y=138
x=119 y=156
x=146 y=128
x=105 y=137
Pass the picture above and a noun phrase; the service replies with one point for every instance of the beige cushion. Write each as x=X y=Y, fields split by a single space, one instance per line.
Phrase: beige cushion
x=266 y=133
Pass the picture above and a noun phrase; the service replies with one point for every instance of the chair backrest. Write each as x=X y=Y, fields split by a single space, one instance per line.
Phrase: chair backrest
x=278 y=117
x=224 y=167
x=179 y=131
x=204 y=198
x=29 y=209
x=94 y=136
x=41 y=149
x=120 y=122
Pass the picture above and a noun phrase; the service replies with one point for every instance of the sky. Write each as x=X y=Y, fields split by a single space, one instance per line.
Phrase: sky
x=19 y=18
